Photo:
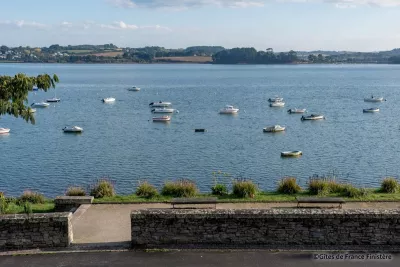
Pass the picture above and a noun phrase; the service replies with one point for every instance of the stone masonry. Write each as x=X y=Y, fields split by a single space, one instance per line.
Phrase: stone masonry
x=48 y=230
x=272 y=228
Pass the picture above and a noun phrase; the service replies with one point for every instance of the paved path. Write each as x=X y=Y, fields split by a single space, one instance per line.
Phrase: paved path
x=186 y=258
x=107 y=223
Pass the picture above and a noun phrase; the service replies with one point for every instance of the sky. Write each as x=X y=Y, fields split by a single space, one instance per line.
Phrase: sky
x=301 y=25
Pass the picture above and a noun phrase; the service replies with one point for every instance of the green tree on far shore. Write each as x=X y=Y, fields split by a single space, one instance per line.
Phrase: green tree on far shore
x=14 y=93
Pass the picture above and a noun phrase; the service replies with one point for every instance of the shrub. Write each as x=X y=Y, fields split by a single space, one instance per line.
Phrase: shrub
x=389 y=185
x=103 y=188
x=353 y=192
x=180 y=188
x=244 y=188
x=219 y=190
x=288 y=185
x=75 y=191
x=146 y=190
x=318 y=186
x=27 y=208
x=3 y=204
x=31 y=197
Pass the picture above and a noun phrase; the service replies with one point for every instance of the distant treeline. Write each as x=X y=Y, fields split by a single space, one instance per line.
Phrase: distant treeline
x=252 y=56
x=110 y=53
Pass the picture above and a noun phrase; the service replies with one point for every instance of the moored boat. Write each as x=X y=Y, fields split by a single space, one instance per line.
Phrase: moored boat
x=312 y=117
x=296 y=111
x=275 y=99
x=374 y=99
x=371 y=110
x=73 y=129
x=53 y=100
x=160 y=104
x=40 y=105
x=134 y=88
x=4 y=130
x=277 y=104
x=274 y=129
x=108 y=100
x=162 y=119
x=163 y=110
x=295 y=153
x=228 y=109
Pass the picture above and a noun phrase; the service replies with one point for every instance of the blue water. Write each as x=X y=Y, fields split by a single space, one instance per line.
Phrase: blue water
x=121 y=142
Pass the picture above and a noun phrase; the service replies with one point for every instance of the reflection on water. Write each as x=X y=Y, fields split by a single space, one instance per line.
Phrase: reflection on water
x=120 y=140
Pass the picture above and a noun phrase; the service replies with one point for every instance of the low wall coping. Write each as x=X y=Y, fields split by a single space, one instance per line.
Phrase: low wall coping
x=73 y=200
x=62 y=216
x=267 y=213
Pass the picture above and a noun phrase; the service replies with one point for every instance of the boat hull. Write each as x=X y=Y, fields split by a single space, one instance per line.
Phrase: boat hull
x=53 y=100
x=108 y=100
x=296 y=111
x=4 y=130
x=277 y=105
x=374 y=100
x=310 y=118
x=290 y=154
x=40 y=105
x=371 y=110
x=162 y=119
x=163 y=110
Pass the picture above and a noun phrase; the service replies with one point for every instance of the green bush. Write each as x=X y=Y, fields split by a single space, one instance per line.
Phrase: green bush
x=146 y=190
x=389 y=185
x=3 y=204
x=318 y=186
x=219 y=190
x=353 y=192
x=244 y=189
x=179 y=188
x=75 y=191
x=288 y=185
x=103 y=188
x=27 y=208
x=31 y=197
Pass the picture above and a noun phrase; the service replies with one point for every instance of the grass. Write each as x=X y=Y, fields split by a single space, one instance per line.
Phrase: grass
x=13 y=208
x=373 y=195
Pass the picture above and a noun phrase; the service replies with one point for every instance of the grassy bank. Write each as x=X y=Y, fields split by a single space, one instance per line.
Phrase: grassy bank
x=373 y=195
x=13 y=208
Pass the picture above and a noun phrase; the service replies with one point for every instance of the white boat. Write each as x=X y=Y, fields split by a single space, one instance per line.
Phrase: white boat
x=274 y=129
x=108 y=100
x=163 y=110
x=162 y=119
x=312 y=117
x=134 y=88
x=54 y=99
x=371 y=110
x=73 y=129
x=277 y=104
x=296 y=111
x=374 y=99
x=4 y=130
x=295 y=153
x=275 y=99
x=229 y=110
x=40 y=105
x=160 y=104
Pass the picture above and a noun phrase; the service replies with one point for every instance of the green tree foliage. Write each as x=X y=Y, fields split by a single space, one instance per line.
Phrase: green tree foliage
x=251 y=56
x=14 y=93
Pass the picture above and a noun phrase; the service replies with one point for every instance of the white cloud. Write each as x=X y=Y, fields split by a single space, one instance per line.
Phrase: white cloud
x=24 y=24
x=120 y=25
x=184 y=4
x=66 y=24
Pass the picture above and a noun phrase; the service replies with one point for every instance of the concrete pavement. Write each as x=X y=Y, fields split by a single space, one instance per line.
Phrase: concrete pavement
x=192 y=258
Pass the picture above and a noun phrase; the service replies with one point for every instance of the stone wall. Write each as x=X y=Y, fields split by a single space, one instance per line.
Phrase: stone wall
x=45 y=230
x=271 y=228
x=70 y=203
